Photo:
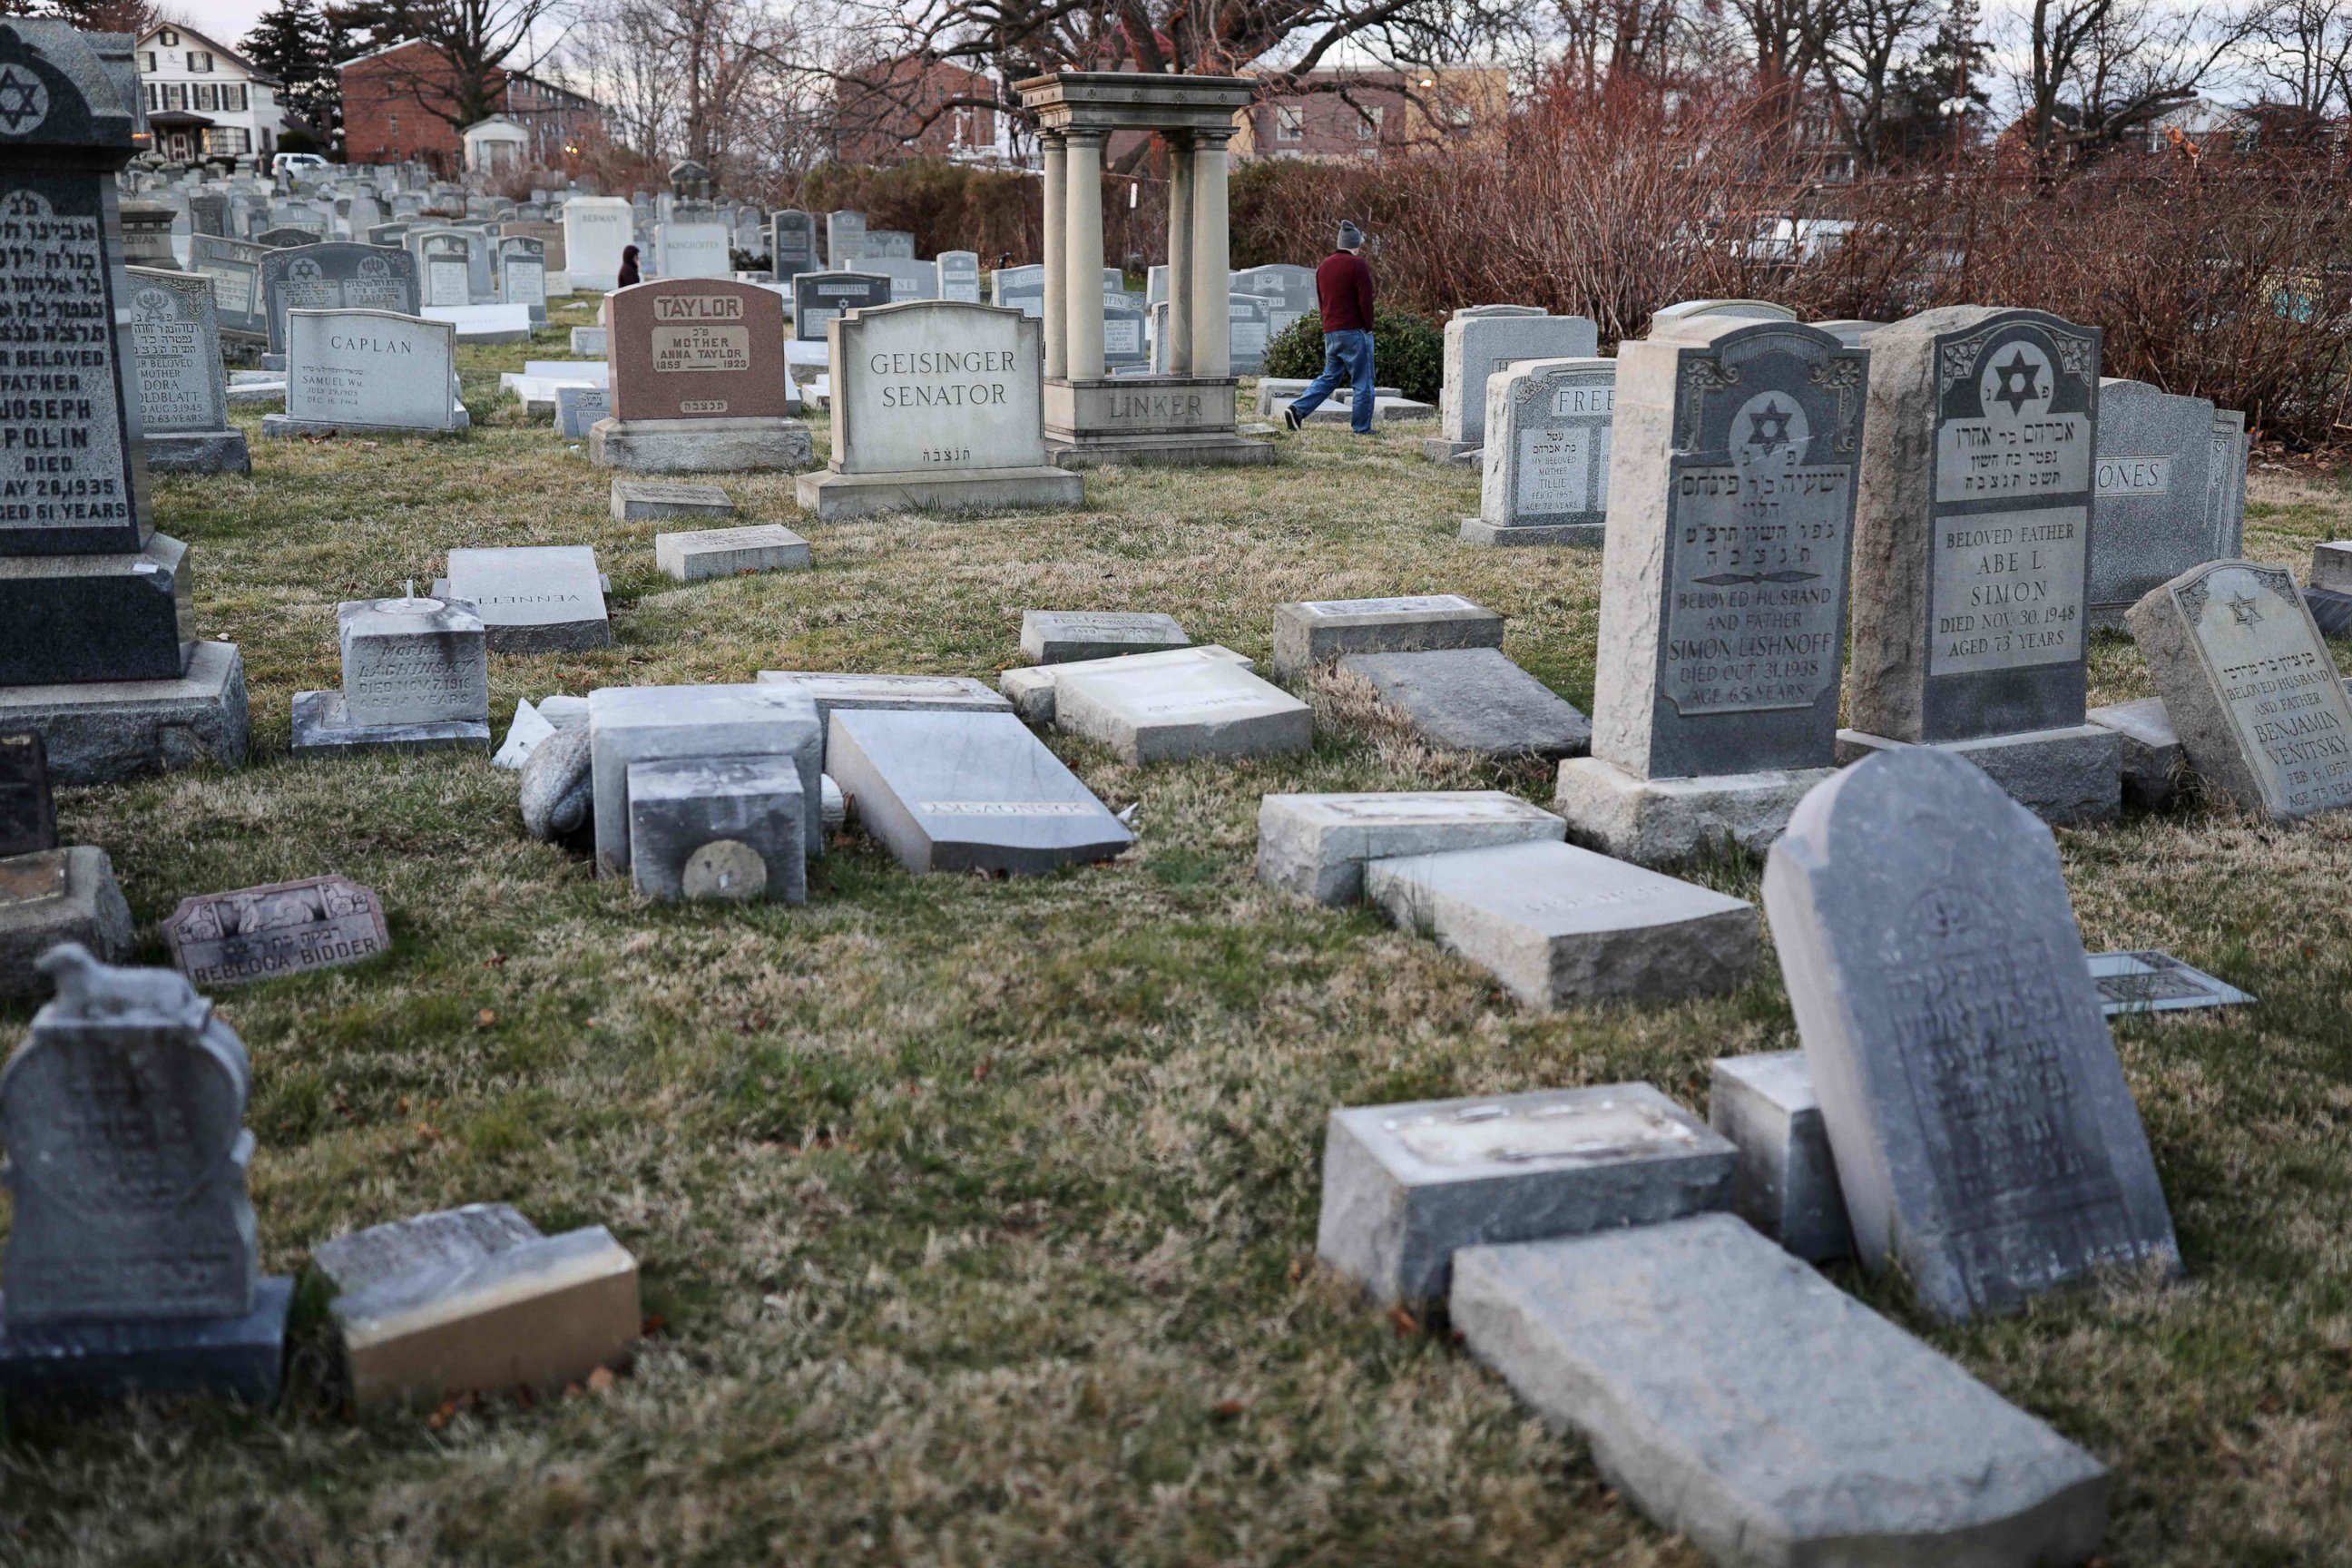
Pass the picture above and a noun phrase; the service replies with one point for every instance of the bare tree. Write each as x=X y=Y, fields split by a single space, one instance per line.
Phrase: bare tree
x=2304 y=57
x=1862 y=50
x=2098 y=70
x=479 y=44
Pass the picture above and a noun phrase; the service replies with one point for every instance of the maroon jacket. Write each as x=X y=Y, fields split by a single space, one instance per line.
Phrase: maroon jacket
x=1343 y=286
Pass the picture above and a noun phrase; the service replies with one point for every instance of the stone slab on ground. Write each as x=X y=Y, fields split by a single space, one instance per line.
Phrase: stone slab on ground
x=1661 y=822
x=2148 y=749
x=58 y=895
x=1066 y=636
x=476 y=1300
x=1029 y=687
x=842 y=691
x=1170 y=711
x=323 y=727
x=2066 y=777
x=1561 y=927
x=1316 y=845
x=1787 y=1186
x=1474 y=699
x=537 y=598
x=967 y=792
x=1406 y=1186
x=242 y=1357
x=2331 y=612
x=1738 y=1398
x=704 y=554
x=631 y=724
x=641 y=500
x=835 y=497
x=1317 y=631
x=1478 y=530
x=109 y=731
x=700 y=445
x=722 y=828
x=2149 y=981
x=199 y=452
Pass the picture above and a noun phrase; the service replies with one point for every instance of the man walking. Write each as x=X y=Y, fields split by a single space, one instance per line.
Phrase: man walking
x=1343 y=287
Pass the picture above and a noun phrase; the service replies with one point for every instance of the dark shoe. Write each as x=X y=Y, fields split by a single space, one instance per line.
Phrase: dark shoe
x=1290 y=417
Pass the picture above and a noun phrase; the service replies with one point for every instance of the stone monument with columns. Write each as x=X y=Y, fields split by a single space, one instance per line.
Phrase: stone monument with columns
x=1187 y=414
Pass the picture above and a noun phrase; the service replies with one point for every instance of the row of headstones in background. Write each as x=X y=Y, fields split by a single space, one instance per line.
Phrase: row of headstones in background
x=104 y=667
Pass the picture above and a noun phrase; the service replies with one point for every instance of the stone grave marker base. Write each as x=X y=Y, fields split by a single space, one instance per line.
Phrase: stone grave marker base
x=708 y=552
x=2066 y=777
x=1787 y=1185
x=1658 y=822
x=323 y=727
x=106 y=732
x=700 y=445
x=1438 y=449
x=1478 y=530
x=2153 y=762
x=53 y=896
x=244 y=1357
x=834 y=497
x=1316 y=845
x=284 y=427
x=200 y=452
x=1698 y=1360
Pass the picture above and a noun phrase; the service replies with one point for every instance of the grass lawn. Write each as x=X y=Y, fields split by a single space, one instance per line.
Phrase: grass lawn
x=979 y=1216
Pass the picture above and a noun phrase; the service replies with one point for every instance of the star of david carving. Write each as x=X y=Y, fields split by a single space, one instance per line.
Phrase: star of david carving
x=2247 y=610
x=1769 y=427
x=2020 y=382
x=23 y=100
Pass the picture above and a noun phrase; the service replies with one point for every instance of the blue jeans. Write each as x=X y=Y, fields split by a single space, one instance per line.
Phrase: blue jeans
x=1347 y=356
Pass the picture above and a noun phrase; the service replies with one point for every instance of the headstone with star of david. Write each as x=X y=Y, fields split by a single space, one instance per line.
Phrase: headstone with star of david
x=2249 y=686
x=1723 y=598
x=1971 y=553
x=336 y=274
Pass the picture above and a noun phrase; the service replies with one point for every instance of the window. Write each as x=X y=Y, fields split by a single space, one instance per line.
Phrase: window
x=167 y=38
x=227 y=141
x=147 y=62
x=154 y=97
x=1289 y=123
x=232 y=96
x=1368 y=123
x=176 y=95
x=199 y=60
x=207 y=97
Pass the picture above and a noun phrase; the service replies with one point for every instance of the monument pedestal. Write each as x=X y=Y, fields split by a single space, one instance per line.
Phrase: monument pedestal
x=1188 y=421
x=1438 y=449
x=836 y=496
x=1478 y=530
x=199 y=452
x=106 y=731
x=95 y=616
x=1660 y=822
x=242 y=1357
x=323 y=727
x=54 y=896
x=2066 y=777
x=700 y=445
x=284 y=426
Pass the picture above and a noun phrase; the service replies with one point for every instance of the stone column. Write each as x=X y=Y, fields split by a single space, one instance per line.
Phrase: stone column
x=1180 y=256
x=1057 y=364
x=1213 y=325
x=1082 y=256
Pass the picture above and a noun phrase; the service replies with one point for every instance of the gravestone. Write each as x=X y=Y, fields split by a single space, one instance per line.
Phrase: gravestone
x=967 y=792
x=1723 y=588
x=1672 y=317
x=98 y=653
x=1985 y=1138
x=1979 y=476
x=1061 y=637
x=791 y=244
x=284 y=928
x=639 y=500
x=2249 y=686
x=844 y=240
x=631 y=725
x=130 y=1263
x=692 y=249
x=182 y=398
x=2151 y=982
x=475 y=1300
x=530 y=599
x=445 y=265
x=1545 y=474
x=336 y=275
x=1474 y=700
x=578 y=407
x=415 y=677
x=2155 y=516
x=1317 y=631
x=841 y=691
x=1316 y=845
x=1787 y=1185
x=366 y=371
x=53 y=896
x=1021 y=288
x=1741 y=1400
x=1124 y=348
x=935 y=406
x=818 y=297
x=233 y=267
x=286 y=238
x=522 y=274
x=1249 y=325
x=1031 y=688
x=1406 y=1186
x=959 y=276
x=2225 y=477
x=700 y=554
x=1483 y=342
x=910 y=279
x=887 y=245
x=718 y=828
x=1147 y=711
x=1288 y=290
x=698 y=381
x=596 y=229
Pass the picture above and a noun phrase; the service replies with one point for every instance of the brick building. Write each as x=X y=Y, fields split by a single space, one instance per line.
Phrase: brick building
x=883 y=119
x=1369 y=113
x=390 y=94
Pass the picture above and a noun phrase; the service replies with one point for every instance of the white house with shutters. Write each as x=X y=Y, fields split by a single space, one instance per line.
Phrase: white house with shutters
x=205 y=99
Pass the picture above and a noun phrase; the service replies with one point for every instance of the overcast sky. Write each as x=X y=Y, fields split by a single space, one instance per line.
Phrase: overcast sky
x=223 y=21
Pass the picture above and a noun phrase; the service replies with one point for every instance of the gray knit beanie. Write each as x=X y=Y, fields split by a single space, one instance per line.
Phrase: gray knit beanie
x=1350 y=237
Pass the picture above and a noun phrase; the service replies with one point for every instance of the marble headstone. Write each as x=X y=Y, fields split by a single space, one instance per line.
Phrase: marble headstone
x=2155 y=517
x=183 y=395
x=336 y=275
x=1548 y=434
x=1483 y=342
x=283 y=928
x=791 y=244
x=368 y=370
x=28 y=818
x=819 y=297
x=533 y=598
